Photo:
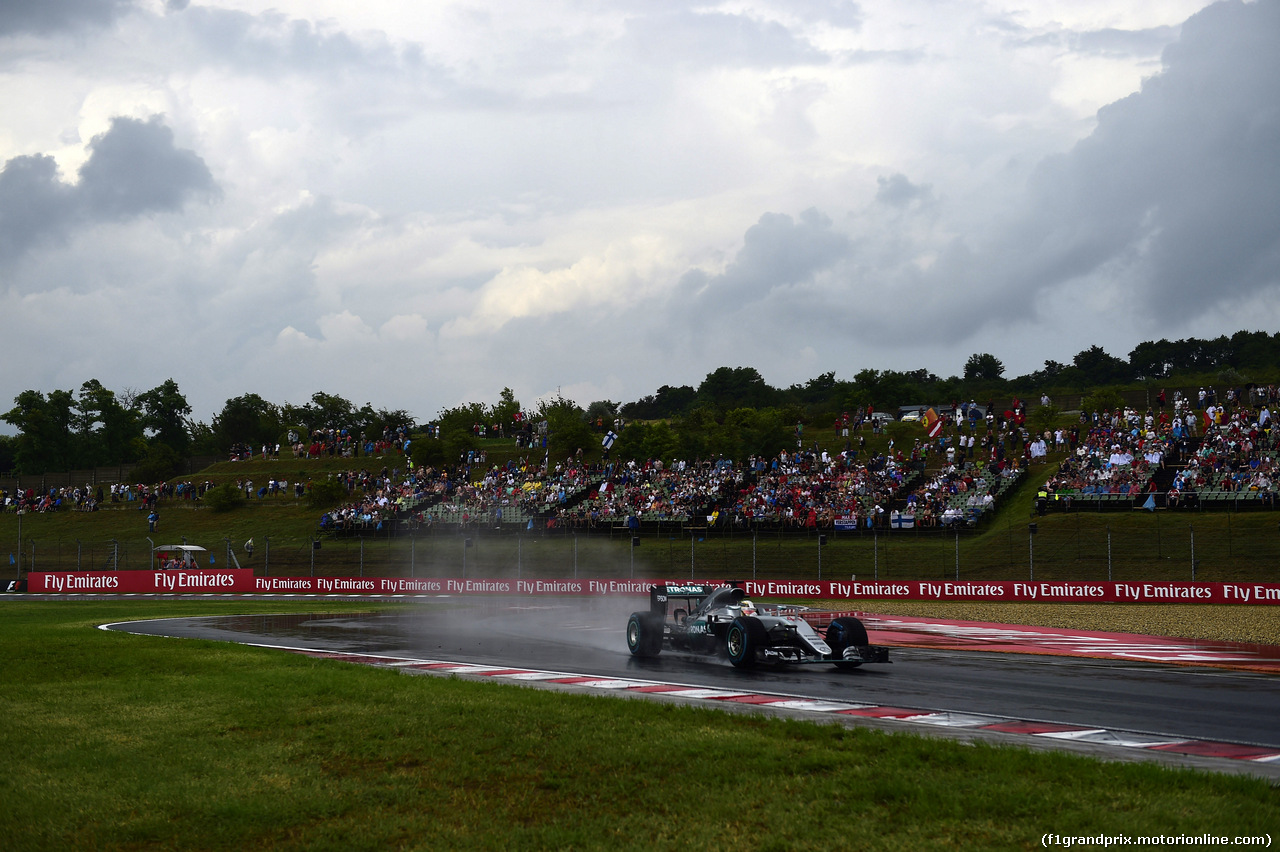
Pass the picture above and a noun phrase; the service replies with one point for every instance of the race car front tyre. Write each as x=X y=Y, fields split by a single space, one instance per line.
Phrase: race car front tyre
x=644 y=634
x=844 y=633
x=746 y=636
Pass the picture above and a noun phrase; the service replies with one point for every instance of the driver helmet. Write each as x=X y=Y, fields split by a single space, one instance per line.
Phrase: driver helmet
x=748 y=608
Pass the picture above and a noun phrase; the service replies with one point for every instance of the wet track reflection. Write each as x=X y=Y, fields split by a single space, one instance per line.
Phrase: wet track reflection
x=587 y=638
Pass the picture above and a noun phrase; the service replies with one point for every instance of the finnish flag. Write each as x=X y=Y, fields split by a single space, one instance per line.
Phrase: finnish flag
x=609 y=438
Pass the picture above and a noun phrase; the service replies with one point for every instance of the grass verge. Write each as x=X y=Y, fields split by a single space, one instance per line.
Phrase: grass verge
x=115 y=741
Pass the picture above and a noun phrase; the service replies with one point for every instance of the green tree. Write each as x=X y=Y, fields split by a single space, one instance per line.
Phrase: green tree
x=247 y=419
x=603 y=410
x=729 y=387
x=567 y=430
x=45 y=430
x=1099 y=368
x=983 y=367
x=160 y=464
x=328 y=411
x=165 y=411
x=462 y=417
x=505 y=411
x=105 y=428
x=8 y=453
x=640 y=440
x=372 y=421
x=666 y=403
x=1154 y=360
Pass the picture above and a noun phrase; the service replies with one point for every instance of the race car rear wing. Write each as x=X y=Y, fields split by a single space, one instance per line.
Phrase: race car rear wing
x=689 y=595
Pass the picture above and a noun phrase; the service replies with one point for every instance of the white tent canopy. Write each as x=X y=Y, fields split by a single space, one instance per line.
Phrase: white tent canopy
x=188 y=552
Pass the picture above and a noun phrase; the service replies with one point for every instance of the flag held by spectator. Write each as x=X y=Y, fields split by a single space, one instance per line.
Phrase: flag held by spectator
x=609 y=438
x=1150 y=505
x=932 y=423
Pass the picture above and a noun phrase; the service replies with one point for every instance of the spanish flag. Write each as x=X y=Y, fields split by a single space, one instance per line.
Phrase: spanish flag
x=932 y=423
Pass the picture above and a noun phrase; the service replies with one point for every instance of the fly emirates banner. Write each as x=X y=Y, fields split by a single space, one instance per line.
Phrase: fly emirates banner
x=243 y=581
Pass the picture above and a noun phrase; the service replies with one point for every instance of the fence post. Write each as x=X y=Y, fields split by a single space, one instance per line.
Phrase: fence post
x=1031 y=551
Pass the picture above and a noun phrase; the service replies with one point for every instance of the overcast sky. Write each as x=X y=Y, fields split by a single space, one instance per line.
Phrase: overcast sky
x=416 y=204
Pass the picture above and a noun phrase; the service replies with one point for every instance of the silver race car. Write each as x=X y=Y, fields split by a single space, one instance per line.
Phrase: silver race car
x=710 y=620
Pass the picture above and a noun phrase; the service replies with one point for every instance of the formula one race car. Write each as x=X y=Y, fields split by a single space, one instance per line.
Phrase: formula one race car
x=711 y=620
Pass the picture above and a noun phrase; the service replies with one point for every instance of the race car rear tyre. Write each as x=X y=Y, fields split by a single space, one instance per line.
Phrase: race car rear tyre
x=644 y=634
x=846 y=632
x=746 y=636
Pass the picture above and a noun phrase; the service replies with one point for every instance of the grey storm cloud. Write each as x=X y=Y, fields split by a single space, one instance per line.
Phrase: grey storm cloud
x=777 y=251
x=134 y=168
x=897 y=191
x=273 y=42
x=1185 y=174
x=1113 y=42
x=718 y=39
x=1108 y=42
x=838 y=13
x=1178 y=184
x=45 y=17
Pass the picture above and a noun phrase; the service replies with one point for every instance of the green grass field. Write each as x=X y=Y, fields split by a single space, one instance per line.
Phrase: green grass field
x=114 y=741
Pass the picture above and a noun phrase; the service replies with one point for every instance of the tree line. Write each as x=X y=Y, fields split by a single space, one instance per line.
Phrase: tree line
x=733 y=411
x=1223 y=359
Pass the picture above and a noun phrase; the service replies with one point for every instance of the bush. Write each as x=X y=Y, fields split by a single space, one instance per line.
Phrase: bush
x=1045 y=418
x=1102 y=400
x=426 y=451
x=326 y=493
x=223 y=498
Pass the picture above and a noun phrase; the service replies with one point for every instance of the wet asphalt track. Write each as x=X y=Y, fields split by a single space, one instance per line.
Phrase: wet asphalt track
x=587 y=637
